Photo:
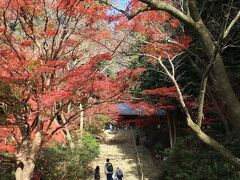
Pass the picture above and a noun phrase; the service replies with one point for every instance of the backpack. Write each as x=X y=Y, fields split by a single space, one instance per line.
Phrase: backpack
x=119 y=174
x=109 y=167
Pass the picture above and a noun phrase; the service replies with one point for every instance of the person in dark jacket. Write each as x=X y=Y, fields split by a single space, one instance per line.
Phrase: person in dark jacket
x=137 y=138
x=97 y=173
x=108 y=168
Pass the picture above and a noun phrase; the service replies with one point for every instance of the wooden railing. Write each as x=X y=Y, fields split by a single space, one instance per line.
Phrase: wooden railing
x=139 y=164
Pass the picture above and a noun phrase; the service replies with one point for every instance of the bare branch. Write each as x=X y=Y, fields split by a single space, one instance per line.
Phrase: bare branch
x=159 y=5
x=226 y=32
x=203 y=87
x=129 y=16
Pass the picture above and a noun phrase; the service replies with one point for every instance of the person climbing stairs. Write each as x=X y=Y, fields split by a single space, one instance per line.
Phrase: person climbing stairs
x=122 y=151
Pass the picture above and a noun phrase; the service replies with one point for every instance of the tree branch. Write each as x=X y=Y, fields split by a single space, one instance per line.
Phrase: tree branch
x=194 y=12
x=203 y=87
x=226 y=32
x=129 y=16
x=159 y=5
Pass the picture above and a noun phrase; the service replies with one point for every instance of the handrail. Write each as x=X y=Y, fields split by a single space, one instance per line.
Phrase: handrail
x=139 y=164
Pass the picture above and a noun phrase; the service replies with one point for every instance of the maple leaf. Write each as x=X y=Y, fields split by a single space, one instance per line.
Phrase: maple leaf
x=174 y=23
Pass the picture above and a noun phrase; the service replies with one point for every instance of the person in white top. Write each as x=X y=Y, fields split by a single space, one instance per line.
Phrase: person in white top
x=118 y=174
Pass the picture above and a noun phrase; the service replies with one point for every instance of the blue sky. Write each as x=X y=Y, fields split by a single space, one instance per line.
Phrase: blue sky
x=121 y=4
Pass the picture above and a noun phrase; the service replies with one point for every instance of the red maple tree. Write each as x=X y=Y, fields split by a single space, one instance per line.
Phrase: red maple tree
x=48 y=63
x=161 y=39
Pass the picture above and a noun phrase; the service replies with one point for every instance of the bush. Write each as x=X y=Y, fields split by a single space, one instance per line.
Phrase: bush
x=7 y=172
x=192 y=160
x=103 y=118
x=59 y=162
x=92 y=128
x=7 y=167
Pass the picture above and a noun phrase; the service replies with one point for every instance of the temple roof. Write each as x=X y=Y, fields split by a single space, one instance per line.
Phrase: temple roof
x=127 y=109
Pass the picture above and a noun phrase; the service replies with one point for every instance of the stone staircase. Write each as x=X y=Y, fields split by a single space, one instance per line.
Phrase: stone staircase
x=120 y=149
x=150 y=172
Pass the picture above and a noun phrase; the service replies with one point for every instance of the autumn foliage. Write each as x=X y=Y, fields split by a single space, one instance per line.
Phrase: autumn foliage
x=159 y=37
x=50 y=62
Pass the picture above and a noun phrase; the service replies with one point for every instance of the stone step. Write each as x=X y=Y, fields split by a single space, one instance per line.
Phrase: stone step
x=119 y=148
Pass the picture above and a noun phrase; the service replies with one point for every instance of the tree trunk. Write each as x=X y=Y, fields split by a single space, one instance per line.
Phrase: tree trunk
x=25 y=169
x=81 y=122
x=26 y=157
x=170 y=132
x=225 y=90
x=220 y=112
x=67 y=133
x=174 y=130
x=25 y=165
x=193 y=19
x=225 y=153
